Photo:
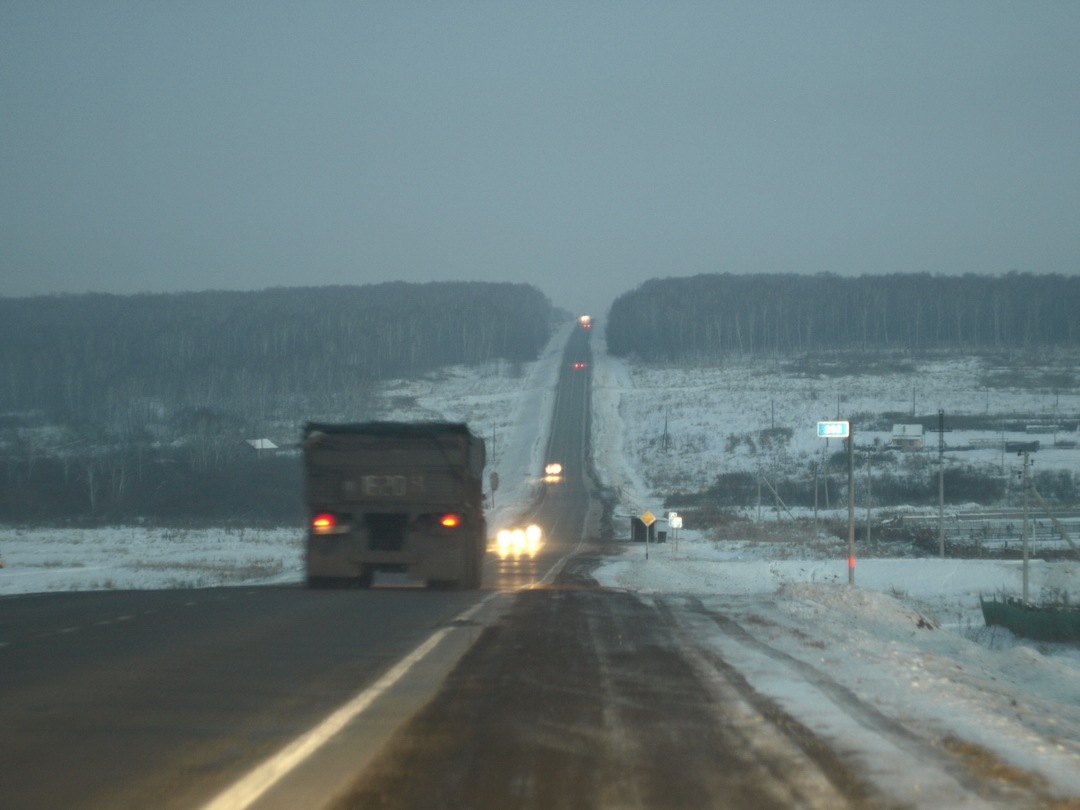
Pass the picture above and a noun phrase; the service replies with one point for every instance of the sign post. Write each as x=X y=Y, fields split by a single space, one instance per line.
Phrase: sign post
x=843 y=430
x=648 y=518
x=675 y=522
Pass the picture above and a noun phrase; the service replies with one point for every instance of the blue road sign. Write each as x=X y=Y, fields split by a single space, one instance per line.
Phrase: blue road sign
x=833 y=430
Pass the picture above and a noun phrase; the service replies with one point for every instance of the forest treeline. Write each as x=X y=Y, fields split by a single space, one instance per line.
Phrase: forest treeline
x=99 y=358
x=707 y=317
x=116 y=407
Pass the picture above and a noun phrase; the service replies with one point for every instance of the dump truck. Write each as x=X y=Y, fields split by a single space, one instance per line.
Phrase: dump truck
x=394 y=496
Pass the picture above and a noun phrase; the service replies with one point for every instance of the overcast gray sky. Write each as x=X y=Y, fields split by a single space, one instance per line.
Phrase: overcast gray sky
x=580 y=146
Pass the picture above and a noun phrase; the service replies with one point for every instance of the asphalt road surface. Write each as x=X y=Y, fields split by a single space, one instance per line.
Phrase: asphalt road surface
x=586 y=698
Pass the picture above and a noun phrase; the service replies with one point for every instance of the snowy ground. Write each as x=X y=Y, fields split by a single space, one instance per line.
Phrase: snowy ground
x=909 y=639
x=714 y=417
x=38 y=560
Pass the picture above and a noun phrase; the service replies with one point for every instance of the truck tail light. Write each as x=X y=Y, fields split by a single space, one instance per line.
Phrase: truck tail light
x=324 y=521
x=450 y=520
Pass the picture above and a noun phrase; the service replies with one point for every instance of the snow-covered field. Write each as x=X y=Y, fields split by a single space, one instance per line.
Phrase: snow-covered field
x=909 y=639
x=714 y=415
x=124 y=558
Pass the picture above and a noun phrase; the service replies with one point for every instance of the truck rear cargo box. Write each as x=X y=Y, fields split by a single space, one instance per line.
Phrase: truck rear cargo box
x=395 y=496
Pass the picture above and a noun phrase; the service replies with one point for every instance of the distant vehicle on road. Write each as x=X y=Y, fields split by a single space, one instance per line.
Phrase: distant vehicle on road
x=394 y=496
x=552 y=473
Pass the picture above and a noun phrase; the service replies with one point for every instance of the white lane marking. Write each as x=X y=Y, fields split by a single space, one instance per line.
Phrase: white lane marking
x=549 y=577
x=60 y=632
x=249 y=788
x=107 y=622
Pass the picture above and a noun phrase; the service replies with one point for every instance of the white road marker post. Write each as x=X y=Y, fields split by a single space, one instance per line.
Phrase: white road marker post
x=675 y=523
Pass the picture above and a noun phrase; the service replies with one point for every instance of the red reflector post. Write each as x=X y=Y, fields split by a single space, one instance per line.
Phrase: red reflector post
x=323 y=521
x=450 y=520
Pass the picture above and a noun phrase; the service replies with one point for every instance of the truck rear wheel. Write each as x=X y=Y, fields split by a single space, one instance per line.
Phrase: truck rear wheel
x=471 y=580
x=470 y=574
x=363 y=580
x=320 y=583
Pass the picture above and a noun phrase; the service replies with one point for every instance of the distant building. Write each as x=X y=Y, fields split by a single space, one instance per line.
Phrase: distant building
x=262 y=445
x=1021 y=447
x=907 y=437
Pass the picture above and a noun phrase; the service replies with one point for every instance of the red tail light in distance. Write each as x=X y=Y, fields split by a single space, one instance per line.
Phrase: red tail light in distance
x=323 y=522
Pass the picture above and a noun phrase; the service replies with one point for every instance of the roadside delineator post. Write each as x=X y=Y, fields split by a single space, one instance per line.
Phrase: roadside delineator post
x=675 y=522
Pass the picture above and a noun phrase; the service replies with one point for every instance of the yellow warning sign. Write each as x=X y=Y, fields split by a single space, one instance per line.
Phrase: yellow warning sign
x=648 y=518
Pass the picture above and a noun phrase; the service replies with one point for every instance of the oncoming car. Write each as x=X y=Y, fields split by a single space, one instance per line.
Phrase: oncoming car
x=516 y=543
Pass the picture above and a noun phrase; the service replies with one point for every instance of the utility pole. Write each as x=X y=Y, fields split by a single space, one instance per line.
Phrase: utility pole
x=1025 y=530
x=845 y=430
x=868 y=497
x=851 y=503
x=941 y=482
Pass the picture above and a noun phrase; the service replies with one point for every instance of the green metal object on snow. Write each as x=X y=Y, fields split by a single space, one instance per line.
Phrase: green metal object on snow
x=1059 y=623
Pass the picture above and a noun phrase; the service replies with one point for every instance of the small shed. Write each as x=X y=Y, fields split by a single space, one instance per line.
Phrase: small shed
x=262 y=446
x=907 y=437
